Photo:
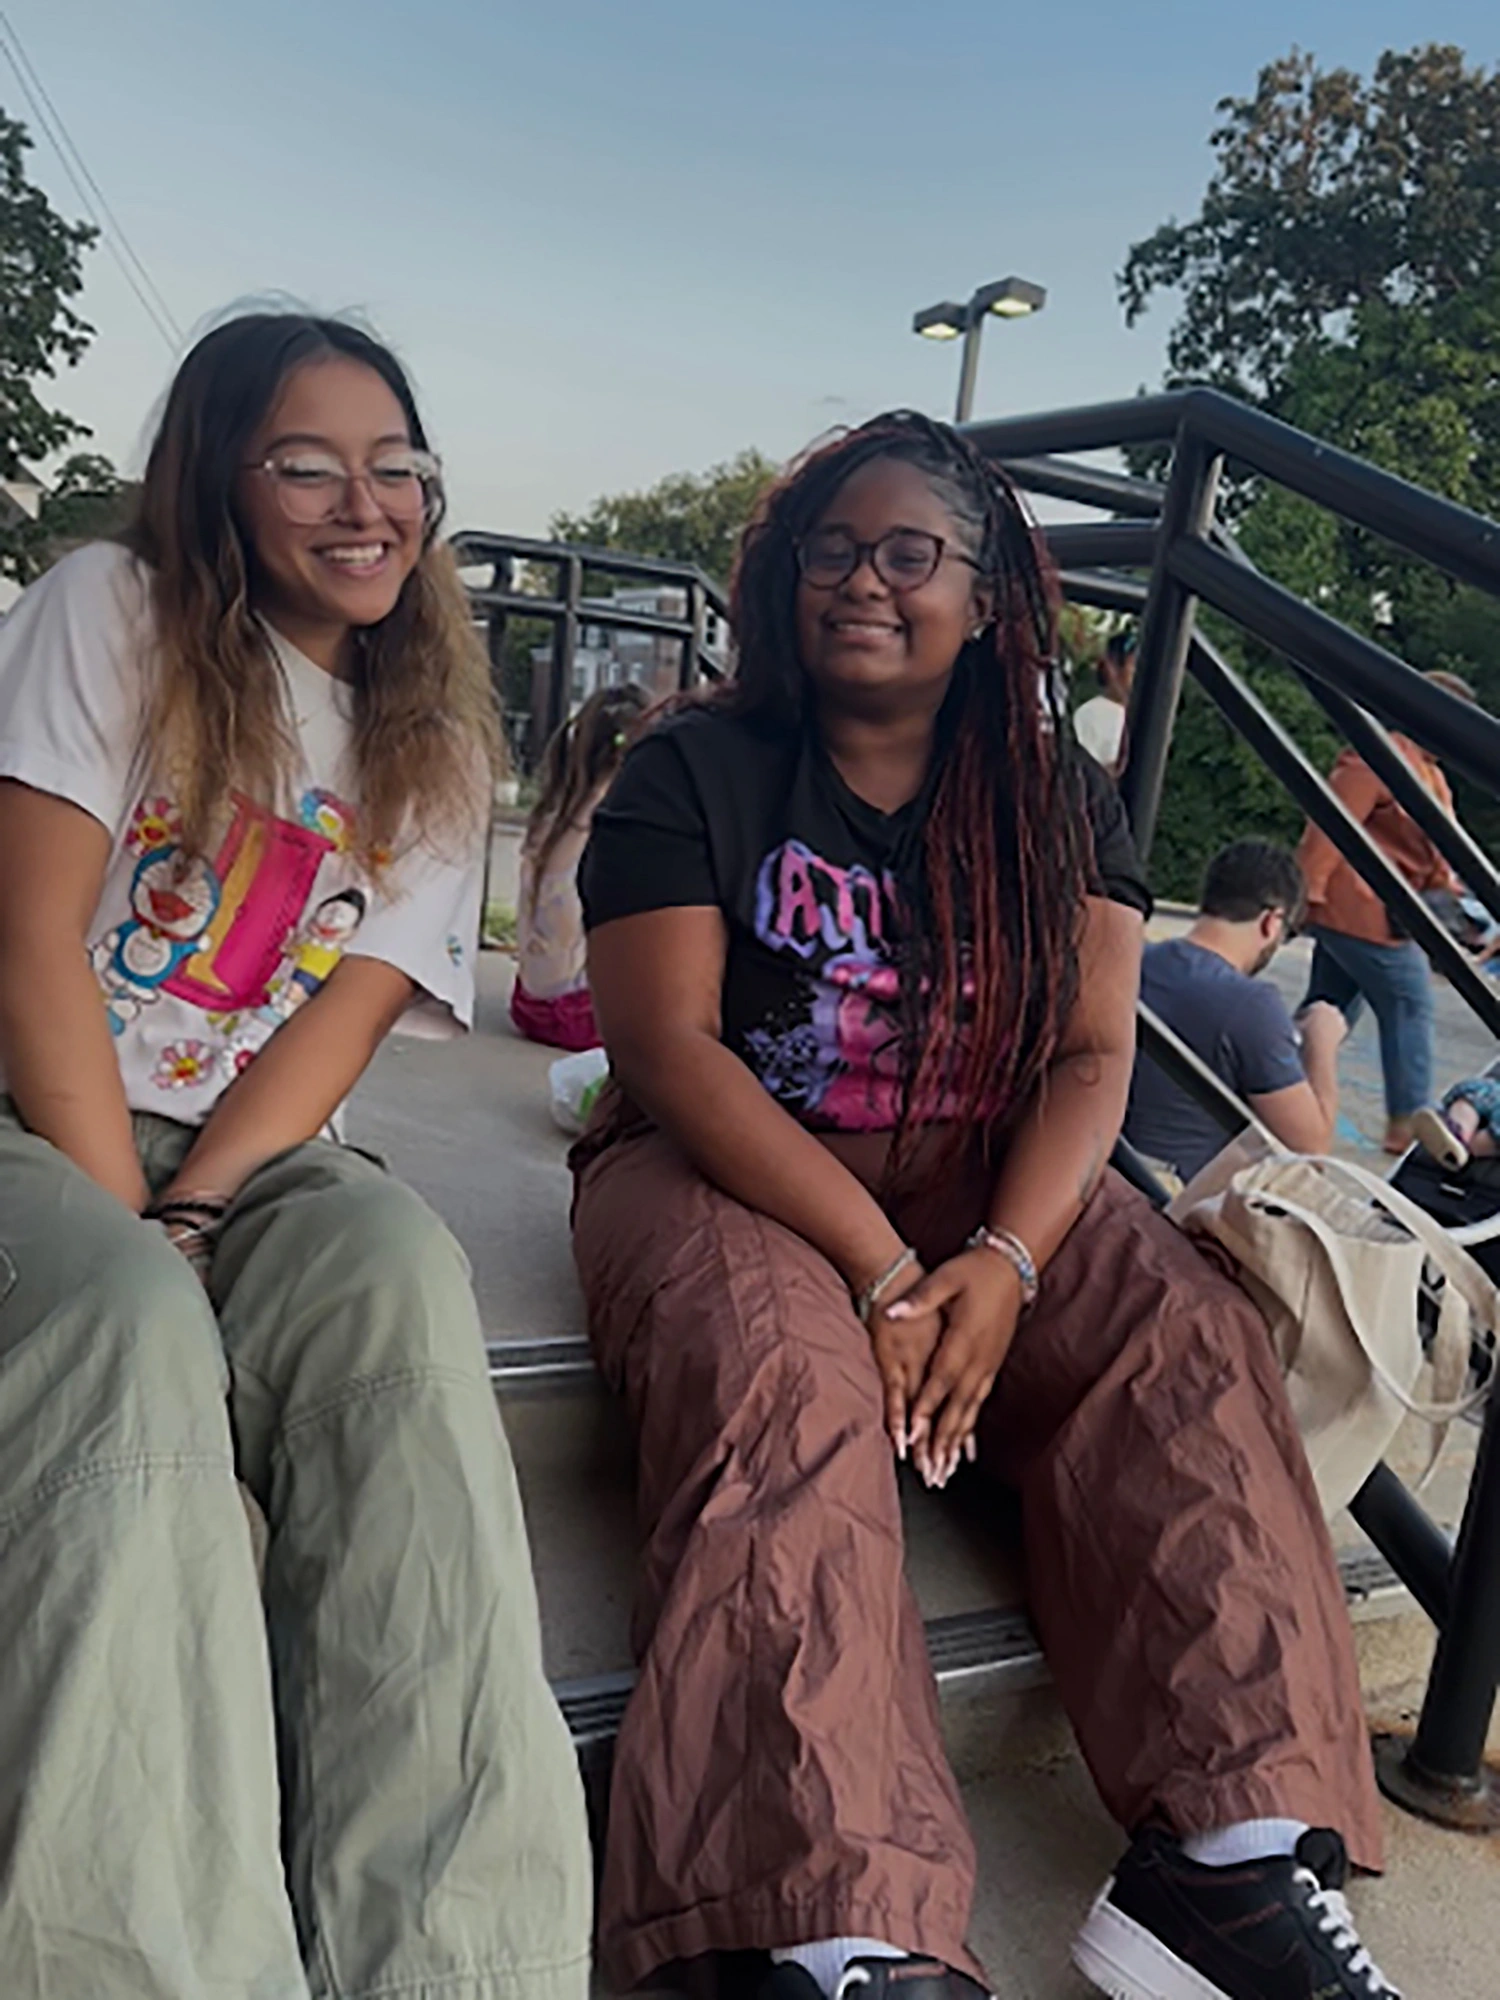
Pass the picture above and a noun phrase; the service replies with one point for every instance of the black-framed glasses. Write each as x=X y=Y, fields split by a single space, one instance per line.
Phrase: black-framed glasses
x=903 y=558
x=310 y=485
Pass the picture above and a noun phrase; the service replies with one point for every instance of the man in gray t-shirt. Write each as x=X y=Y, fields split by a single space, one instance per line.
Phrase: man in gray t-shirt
x=1204 y=987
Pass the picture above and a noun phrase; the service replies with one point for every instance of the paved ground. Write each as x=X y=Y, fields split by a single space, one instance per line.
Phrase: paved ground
x=467 y=1123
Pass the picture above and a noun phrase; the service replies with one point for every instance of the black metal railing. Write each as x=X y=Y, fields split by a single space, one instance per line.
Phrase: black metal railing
x=547 y=581
x=1172 y=534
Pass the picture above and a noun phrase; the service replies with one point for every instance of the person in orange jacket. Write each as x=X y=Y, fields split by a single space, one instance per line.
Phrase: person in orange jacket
x=1358 y=954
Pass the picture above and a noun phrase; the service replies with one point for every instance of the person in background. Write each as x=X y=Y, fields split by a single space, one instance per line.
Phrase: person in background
x=1464 y=1127
x=550 y=1000
x=1206 y=987
x=863 y=940
x=244 y=784
x=1100 y=723
x=1358 y=955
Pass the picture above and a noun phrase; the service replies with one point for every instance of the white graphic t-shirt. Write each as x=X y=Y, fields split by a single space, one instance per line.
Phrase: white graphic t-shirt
x=200 y=961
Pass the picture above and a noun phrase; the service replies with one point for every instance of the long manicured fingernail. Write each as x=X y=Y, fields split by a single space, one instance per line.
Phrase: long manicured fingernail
x=900 y=1310
x=971 y=1448
x=901 y=1445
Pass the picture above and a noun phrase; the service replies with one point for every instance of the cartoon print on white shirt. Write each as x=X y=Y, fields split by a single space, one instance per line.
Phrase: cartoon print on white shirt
x=173 y=900
x=316 y=950
x=228 y=935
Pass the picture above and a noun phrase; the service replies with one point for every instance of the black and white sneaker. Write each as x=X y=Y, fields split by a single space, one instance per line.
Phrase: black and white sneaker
x=877 y=1979
x=1167 y=1928
x=906 y=1979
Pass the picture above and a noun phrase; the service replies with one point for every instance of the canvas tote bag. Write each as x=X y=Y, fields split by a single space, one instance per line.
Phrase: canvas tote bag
x=1339 y=1262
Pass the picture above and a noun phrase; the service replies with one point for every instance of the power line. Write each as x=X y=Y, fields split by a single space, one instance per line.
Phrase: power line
x=110 y=229
x=88 y=190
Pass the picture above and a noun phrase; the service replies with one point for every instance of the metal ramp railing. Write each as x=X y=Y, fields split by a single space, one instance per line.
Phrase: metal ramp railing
x=1162 y=553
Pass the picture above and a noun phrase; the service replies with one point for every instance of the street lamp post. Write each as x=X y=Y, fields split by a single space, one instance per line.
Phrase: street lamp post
x=1007 y=298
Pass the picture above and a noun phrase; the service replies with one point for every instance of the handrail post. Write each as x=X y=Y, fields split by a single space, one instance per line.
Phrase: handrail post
x=1166 y=634
x=564 y=649
x=1443 y=1775
x=692 y=645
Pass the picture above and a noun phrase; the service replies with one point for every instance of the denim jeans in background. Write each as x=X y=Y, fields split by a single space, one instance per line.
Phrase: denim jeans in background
x=1397 y=981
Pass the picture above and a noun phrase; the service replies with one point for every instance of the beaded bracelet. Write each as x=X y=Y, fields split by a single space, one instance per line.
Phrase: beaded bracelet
x=195 y=1209
x=192 y=1221
x=1006 y=1244
x=866 y=1301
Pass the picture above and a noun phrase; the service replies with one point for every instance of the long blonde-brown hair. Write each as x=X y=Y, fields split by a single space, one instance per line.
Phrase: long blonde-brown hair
x=425 y=740
x=582 y=754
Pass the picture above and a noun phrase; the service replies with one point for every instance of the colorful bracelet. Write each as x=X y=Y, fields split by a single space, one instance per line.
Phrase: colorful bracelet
x=866 y=1301
x=187 y=1208
x=1006 y=1244
x=192 y=1221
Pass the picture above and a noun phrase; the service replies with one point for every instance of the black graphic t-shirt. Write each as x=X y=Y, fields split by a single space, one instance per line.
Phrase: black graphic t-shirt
x=713 y=809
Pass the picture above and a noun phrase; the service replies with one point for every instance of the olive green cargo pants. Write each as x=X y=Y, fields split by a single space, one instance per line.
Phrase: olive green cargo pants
x=360 y=1787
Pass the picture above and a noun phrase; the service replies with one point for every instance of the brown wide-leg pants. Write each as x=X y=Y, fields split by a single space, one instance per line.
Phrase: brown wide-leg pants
x=780 y=1775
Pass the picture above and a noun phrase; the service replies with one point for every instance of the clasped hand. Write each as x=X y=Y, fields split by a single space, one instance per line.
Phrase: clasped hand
x=939 y=1344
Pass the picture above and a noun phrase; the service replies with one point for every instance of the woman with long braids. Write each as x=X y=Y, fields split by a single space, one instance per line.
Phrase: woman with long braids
x=244 y=792
x=864 y=944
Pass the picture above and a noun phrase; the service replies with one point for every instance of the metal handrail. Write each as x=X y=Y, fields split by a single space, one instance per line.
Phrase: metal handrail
x=1453 y=538
x=567 y=608
x=472 y=546
x=1442 y=1772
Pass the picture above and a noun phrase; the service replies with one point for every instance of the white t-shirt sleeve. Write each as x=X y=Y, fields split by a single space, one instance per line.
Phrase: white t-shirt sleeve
x=424 y=920
x=71 y=683
x=1100 y=726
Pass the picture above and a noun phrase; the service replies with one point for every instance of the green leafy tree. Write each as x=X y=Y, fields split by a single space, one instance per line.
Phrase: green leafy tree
x=41 y=272
x=1329 y=193
x=1344 y=273
x=687 y=517
x=85 y=500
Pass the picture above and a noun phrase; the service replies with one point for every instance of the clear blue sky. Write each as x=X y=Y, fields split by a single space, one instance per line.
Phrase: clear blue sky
x=618 y=238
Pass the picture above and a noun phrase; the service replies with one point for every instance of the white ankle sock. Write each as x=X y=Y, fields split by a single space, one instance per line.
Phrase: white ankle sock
x=1248 y=1840
x=825 y=1961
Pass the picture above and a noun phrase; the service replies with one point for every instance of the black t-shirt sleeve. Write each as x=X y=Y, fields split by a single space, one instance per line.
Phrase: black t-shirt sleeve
x=649 y=845
x=1117 y=872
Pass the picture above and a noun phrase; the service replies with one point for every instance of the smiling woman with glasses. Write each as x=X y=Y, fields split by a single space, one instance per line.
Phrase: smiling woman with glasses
x=311 y=484
x=865 y=932
x=245 y=785
x=903 y=558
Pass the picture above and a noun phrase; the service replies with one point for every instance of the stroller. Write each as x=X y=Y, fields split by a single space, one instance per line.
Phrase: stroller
x=1467 y=1203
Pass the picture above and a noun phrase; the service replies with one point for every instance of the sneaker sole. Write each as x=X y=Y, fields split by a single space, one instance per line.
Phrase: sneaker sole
x=1432 y=1134
x=1128 y=1962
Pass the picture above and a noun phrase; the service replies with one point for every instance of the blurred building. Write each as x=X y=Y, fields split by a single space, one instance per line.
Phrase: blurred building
x=607 y=657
